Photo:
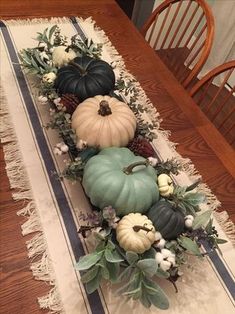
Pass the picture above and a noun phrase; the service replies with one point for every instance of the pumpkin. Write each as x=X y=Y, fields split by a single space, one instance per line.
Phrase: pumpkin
x=135 y=232
x=104 y=121
x=166 y=219
x=165 y=185
x=116 y=177
x=85 y=77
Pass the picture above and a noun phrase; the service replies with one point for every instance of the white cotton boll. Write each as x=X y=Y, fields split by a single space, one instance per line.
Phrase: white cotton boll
x=57 y=151
x=153 y=161
x=49 y=77
x=81 y=144
x=59 y=145
x=165 y=265
x=42 y=99
x=166 y=253
x=188 y=223
x=158 y=236
x=158 y=257
x=161 y=243
x=64 y=148
x=189 y=217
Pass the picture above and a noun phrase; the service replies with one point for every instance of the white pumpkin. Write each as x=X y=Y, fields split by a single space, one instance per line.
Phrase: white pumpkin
x=165 y=185
x=135 y=232
x=104 y=121
x=61 y=57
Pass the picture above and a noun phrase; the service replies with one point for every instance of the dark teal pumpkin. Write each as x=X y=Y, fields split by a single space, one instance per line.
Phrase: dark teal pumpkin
x=85 y=77
x=166 y=219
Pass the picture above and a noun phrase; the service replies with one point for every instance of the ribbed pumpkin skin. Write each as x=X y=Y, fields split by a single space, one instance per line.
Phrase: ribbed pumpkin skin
x=98 y=78
x=106 y=184
x=166 y=220
x=116 y=129
x=131 y=240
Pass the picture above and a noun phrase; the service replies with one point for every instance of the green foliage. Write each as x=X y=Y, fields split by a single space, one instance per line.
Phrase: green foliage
x=104 y=263
x=86 y=47
x=186 y=201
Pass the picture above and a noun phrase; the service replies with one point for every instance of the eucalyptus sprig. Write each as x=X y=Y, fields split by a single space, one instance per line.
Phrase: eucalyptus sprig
x=86 y=47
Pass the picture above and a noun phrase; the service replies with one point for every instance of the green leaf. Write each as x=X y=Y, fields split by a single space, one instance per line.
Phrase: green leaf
x=85 y=262
x=113 y=269
x=220 y=241
x=92 y=285
x=144 y=299
x=129 y=293
x=150 y=253
x=201 y=220
x=189 y=245
x=195 y=198
x=105 y=272
x=156 y=295
x=148 y=266
x=162 y=274
x=125 y=274
x=51 y=31
x=113 y=256
x=209 y=226
x=90 y=274
x=132 y=257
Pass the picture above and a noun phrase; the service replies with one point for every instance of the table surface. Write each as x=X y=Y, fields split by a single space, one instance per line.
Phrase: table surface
x=196 y=137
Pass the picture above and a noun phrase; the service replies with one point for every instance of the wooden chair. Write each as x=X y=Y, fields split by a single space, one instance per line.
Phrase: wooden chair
x=216 y=97
x=181 y=32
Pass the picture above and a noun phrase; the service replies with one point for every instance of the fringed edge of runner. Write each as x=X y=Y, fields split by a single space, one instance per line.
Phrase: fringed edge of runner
x=188 y=167
x=21 y=190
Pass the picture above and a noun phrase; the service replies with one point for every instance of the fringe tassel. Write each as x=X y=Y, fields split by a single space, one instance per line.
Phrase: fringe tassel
x=52 y=301
x=226 y=224
x=42 y=268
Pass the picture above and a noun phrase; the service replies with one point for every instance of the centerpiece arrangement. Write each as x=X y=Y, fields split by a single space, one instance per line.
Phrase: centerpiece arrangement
x=144 y=225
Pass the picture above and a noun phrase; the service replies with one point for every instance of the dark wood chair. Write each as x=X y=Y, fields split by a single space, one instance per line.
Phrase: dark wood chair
x=181 y=32
x=216 y=97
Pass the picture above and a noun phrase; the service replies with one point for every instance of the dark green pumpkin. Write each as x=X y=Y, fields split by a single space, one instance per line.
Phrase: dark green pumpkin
x=166 y=219
x=85 y=77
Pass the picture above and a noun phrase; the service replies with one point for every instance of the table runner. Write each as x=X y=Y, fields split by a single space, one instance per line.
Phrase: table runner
x=55 y=208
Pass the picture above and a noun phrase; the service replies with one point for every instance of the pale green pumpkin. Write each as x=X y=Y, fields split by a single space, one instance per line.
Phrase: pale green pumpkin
x=109 y=181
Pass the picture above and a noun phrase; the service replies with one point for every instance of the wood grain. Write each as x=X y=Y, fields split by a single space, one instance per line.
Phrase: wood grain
x=196 y=136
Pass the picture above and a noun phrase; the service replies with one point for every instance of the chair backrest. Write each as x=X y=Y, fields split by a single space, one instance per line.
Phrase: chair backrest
x=215 y=94
x=181 y=32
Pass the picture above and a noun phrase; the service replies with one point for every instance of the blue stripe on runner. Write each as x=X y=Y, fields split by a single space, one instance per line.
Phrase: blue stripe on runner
x=76 y=244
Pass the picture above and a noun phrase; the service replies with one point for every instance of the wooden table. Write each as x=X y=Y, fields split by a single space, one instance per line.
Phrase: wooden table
x=197 y=137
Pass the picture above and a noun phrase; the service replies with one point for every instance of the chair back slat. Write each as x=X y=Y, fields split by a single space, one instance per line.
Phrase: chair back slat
x=162 y=26
x=222 y=85
x=216 y=98
x=180 y=24
x=175 y=30
x=171 y=25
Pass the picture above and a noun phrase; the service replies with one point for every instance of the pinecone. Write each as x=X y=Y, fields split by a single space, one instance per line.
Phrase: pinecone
x=140 y=146
x=70 y=102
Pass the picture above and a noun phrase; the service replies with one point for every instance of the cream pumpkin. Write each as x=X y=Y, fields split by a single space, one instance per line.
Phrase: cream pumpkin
x=104 y=121
x=165 y=185
x=135 y=232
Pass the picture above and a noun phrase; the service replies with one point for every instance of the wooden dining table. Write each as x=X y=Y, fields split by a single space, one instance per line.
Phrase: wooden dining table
x=195 y=135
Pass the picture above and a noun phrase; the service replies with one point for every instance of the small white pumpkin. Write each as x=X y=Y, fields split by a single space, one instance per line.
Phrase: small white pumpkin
x=104 y=121
x=135 y=232
x=165 y=185
x=61 y=57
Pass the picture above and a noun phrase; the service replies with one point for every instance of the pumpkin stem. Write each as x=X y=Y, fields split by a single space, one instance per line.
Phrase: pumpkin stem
x=104 y=110
x=137 y=228
x=128 y=169
x=81 y=69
